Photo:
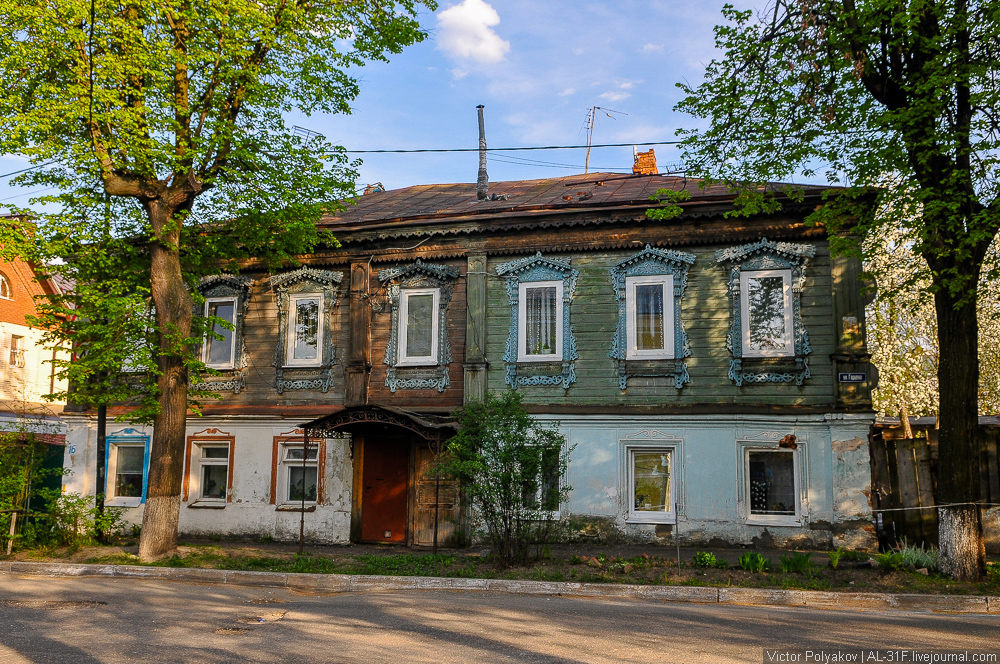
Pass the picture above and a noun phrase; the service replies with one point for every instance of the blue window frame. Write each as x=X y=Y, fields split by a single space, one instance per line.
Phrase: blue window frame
x=122 y=465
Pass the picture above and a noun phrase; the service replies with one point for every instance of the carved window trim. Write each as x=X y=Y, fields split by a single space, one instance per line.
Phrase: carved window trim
x=216 y=288
x=652 y=262
x=293 y=299
x=303 y=281
x=124 y=438
x=522 y=323
x=419 y=276
x=533 y=269
x=404 y=304
x=761 y=256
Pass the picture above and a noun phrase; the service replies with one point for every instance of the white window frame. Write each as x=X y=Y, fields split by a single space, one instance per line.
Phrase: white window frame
x=285 y=466
x=774 y=519
x=232 y=347
x=633 y=516
x=404 y=304
x=198 y=448
x=789 y=348
x=522 y=319
x=632 y=352
x=290 y=360
x=111 y=476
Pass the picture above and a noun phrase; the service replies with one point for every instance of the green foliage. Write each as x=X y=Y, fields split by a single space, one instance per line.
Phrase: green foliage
x=512 y=468
x=22 y=479
x=835 y=557
x=754 y=562
x=909 y=557
x=797 y=562
x=993 y=574
x=705 y=559
x=74 y=520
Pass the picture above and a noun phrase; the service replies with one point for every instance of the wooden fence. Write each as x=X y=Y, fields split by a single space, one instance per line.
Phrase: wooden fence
x=904 y=479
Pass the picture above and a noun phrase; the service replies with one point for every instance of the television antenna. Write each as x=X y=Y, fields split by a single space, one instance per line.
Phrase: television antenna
x=591 y=121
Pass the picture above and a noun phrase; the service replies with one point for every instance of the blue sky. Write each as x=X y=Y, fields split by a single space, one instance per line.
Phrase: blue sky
x=537 y=66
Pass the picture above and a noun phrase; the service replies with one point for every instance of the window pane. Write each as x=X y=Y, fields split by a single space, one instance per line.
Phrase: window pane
x=649 y=317
x=766 y=312
x=772 y=483
x=220 y=351
x=128 y=472
x=215 y=453
x=651 y=477
x=540 y=317
x=295 y=453
x=213 y=481
x=419 y=325
x=306 y=342
x=295 y=482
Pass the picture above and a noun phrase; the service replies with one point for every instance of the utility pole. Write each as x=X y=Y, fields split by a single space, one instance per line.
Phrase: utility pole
x=591 y=121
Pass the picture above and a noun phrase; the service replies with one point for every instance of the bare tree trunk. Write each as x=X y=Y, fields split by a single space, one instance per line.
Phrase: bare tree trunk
x=960 y=536
x=174 y=314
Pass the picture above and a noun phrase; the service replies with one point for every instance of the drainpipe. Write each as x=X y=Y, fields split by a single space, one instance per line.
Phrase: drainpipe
x=483 y=183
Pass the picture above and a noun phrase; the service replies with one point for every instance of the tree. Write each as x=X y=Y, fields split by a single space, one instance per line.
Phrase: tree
x=162 y=125
x=511 y=467
x=858 y=90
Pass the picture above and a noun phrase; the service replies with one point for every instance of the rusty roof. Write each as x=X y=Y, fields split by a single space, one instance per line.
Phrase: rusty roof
x=570 y=194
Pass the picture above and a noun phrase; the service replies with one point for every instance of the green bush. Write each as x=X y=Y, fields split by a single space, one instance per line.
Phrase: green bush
x=797 y=562
x=755 y=562
x=511 y=467
x=705 y=559
x=74 y=520
x=908 y=557
x=993 y=574
x=835 y=557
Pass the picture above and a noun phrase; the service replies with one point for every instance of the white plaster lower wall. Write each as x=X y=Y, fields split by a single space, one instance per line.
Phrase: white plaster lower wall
x=833 y=467
x=248 y=511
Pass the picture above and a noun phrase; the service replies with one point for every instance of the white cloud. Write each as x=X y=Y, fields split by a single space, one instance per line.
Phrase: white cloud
x=465 y=31
x=567 y=92
x=627 y=85
x=615 y=96
x=652 y=48
x=458 y=73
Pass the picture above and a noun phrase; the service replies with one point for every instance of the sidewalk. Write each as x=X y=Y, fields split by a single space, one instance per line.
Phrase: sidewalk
x=344 y=583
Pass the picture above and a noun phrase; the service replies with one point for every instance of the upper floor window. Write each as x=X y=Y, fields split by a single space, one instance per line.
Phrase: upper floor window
x=305 y=333
x=5 y=291
x=539 y=325
x=649 y=317
x=16 y=351
x=219 y=351
x=419 y=325
x=765 y=298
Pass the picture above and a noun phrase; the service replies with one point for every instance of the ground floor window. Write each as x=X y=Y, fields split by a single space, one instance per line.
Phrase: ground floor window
x=126 y=459
x=772 y=485
x=210 y=471
x=651 y=496
x=297 y=471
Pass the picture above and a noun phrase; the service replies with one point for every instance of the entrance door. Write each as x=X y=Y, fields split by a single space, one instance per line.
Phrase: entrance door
x=384 y=487
x=447 y=504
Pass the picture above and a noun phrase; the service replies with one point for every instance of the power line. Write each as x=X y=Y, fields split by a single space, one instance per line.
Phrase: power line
x=538 y=147
x=30 y=168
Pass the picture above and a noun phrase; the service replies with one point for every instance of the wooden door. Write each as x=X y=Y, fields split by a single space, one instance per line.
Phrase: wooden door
x=448 y=507
x=384 y=472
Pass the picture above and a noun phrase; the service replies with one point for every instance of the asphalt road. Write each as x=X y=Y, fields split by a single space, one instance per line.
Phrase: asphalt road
x=91 y=620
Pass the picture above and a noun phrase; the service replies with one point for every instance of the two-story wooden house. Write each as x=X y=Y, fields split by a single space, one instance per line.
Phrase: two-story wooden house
x=709 y=372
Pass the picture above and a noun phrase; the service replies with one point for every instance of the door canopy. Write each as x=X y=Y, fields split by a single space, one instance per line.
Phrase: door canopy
x=428 y=427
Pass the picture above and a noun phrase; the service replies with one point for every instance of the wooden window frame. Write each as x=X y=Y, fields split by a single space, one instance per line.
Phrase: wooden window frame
x=666 y=283
x=208 y=438
x=233 y=340
x=786 y=277
x=431 y=360
x=279 y=476
x=522 y=322
x=290 y=360
x=633 y=516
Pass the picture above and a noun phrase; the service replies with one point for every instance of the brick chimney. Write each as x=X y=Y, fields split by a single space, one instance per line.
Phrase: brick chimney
x=645 y=163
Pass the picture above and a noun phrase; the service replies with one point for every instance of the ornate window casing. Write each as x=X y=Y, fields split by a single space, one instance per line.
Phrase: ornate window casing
x=416 y=373
x=220 y=291
x=751 y=264
x=126 y=458
x=561 y=370
x=650 y=267
x=312 y=374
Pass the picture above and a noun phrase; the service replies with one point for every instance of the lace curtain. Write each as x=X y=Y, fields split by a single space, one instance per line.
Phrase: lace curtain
x=540 y=316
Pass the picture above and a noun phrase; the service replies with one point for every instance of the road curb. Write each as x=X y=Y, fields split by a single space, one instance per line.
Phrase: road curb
x=341 y=583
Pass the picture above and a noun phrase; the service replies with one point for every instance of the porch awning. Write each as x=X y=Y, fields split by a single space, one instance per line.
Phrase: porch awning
x=427 y=426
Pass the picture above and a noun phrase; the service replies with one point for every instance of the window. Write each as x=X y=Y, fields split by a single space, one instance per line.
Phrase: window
x=128 y=466
x=766 y=313
x=651 y=485
x=211 y=472
x=5 y=291
x=16 y=351
x=305 y=334
x=772 y=486
x=650 y=317
x=419 y=326
x=301 y=479
x=540 y=318
x=220 y=353
x=541 y=493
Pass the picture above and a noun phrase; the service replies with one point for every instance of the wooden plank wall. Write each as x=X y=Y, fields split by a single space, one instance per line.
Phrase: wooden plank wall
x=904 y=476
x=706 y=315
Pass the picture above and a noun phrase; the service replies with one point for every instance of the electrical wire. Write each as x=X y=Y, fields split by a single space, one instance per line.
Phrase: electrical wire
x=534 y=147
